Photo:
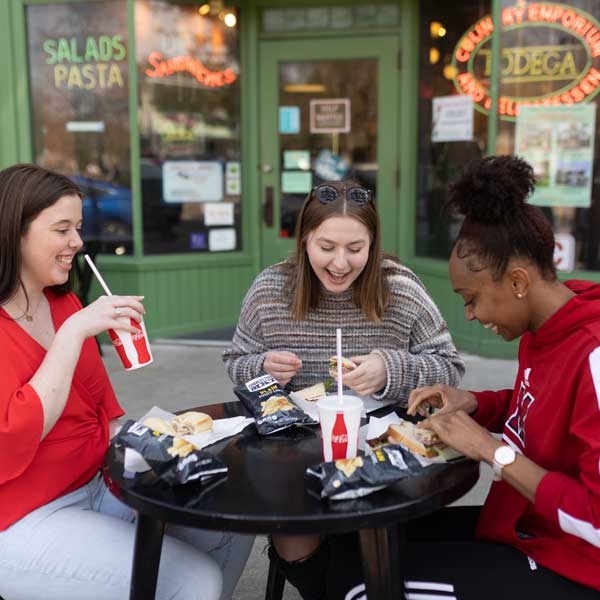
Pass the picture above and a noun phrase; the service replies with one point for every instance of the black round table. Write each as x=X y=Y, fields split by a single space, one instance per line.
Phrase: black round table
x=266 y=491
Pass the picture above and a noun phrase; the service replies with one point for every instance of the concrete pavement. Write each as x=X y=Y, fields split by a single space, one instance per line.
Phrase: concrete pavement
x=188 y=373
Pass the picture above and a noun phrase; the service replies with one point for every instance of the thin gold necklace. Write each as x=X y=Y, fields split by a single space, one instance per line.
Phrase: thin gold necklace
x=28 y=316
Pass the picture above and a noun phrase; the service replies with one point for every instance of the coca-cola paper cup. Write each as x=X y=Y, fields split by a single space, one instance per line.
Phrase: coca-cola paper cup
x=133 y=348
x=339 y=426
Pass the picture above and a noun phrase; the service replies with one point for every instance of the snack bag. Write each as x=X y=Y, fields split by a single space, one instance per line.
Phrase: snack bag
x=173 y=459
x=357 y=477
x=271 y=407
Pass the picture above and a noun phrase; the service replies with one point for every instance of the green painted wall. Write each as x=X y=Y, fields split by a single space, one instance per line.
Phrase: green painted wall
x=8 y=109
x=186 y=293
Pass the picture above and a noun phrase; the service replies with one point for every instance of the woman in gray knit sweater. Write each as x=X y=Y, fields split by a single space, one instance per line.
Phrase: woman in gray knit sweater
x=338 y=278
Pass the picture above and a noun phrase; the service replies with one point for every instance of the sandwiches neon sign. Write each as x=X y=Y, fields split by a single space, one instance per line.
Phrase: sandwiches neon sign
x=165 y=67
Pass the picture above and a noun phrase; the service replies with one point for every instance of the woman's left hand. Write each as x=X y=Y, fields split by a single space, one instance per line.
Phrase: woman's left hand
x=369 y=377
x=459 y=430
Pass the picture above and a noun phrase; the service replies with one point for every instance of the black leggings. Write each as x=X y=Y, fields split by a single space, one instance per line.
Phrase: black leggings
x=441 y=560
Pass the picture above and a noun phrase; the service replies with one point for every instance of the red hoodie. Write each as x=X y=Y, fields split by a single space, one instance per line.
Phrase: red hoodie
x=553 y=417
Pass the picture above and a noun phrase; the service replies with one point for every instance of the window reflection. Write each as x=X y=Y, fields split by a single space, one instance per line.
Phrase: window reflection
x=80 y=114
x=189 y=122
x=439 y=163
x=337 y=90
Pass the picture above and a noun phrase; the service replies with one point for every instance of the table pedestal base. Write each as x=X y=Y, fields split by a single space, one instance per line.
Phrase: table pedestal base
x=146 y=557
x=380 y=560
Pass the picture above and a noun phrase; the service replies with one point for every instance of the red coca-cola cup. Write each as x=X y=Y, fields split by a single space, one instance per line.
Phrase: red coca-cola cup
x=133 y=348
x=340 y=422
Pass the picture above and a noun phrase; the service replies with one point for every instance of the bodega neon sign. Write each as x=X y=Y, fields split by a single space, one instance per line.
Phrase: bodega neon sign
x=533 y=63
x=165 y=67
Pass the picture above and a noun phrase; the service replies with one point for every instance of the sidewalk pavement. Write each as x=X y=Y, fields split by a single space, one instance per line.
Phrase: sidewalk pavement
x=189 y=373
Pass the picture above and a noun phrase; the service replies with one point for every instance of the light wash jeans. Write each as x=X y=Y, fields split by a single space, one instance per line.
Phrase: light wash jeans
x=80 y=547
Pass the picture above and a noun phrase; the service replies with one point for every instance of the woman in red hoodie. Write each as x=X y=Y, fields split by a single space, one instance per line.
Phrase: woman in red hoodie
x=538 y=533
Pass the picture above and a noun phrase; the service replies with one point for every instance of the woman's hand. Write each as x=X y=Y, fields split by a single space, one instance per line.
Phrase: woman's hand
x=448 y=399
x=282 y=365
x=461 y=432
x=107 y=312
x=369 y=377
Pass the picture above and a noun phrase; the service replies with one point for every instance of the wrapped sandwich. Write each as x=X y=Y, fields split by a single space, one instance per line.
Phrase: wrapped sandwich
x=188 y=423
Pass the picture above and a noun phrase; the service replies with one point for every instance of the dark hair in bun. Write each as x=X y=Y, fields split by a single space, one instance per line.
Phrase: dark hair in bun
x=499 y=224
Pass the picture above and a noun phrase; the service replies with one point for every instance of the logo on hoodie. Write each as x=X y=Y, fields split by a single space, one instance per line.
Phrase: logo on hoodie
x=516 y=421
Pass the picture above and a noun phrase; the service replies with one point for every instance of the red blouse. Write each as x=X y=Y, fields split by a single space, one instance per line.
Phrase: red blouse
x=34 y=472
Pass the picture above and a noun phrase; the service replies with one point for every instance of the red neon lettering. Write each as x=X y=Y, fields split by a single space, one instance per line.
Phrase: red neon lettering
x=163 y=68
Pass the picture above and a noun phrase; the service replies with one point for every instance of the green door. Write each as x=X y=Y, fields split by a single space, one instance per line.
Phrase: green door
x=329 y=109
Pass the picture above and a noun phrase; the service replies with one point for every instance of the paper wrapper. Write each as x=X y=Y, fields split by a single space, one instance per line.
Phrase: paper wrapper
x=378 y=426
x=222 y=428
x=310 y=407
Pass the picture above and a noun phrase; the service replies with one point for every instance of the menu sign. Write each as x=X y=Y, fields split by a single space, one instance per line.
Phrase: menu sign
x=558 y=141
x=330 y=116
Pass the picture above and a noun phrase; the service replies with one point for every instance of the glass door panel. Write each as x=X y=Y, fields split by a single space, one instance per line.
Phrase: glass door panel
x=322 y=92
x=328 y=113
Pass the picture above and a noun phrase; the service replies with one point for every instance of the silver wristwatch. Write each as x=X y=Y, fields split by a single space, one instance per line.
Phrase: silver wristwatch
x=503 y=456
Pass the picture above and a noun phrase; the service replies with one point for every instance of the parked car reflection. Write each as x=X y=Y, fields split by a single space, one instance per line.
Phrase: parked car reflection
x=106 y=210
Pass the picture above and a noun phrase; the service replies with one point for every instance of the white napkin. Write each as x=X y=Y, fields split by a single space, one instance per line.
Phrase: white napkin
x=222 y=428
x=310 y=408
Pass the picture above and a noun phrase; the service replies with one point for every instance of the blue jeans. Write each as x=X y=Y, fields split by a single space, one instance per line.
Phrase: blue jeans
x=80 y=547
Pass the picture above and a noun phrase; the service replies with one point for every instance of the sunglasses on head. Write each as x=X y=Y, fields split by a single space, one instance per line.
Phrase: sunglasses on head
x=327 y=193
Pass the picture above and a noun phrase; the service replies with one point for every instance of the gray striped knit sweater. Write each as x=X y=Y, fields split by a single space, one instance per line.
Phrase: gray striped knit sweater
x=412 y=338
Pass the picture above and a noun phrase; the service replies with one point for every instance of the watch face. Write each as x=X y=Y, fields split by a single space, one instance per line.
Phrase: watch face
x=505 y=455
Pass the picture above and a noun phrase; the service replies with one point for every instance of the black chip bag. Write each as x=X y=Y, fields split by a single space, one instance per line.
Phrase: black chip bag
x=172 y=459
x=271 y=407
x=357 y=477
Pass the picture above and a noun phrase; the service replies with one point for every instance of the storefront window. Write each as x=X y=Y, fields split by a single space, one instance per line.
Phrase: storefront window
x=80 y=115
x=439 y=162
x=549 y=81
x=189 y=121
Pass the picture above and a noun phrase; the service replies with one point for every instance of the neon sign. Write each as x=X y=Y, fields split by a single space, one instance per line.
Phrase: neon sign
x=531 y=63
x=202 y=74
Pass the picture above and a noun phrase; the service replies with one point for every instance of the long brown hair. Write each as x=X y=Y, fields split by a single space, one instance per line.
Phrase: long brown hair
x=370 y=291
x=25 y=191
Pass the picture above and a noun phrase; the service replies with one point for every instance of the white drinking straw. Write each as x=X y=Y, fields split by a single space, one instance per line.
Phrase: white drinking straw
x=338 y=343
x=97 y=274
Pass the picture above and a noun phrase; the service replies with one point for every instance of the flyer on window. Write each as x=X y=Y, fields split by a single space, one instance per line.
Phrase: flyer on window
x=558 y=142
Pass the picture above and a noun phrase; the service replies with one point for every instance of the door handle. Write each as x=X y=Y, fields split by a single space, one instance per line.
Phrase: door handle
x=268 y=206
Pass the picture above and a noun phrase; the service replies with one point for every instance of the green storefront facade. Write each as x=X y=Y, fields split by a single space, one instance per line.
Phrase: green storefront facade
x=195 y=130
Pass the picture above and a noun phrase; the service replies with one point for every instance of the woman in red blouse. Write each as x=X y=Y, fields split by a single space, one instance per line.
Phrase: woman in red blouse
x=62 y=534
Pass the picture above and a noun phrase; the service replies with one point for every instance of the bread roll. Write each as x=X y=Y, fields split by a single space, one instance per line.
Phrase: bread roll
x=159 y=425
x=347 y=366
x=407 y=434
x=192 y=422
